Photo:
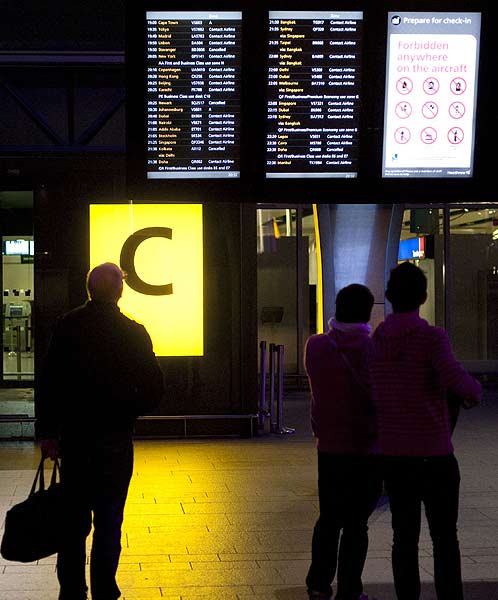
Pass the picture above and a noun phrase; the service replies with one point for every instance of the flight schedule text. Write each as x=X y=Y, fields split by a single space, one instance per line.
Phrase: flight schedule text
x=314 y=79
x=193 y=94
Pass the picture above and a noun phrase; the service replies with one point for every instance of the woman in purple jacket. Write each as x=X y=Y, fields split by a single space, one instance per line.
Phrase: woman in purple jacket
x=412 y=367
x=343 y=421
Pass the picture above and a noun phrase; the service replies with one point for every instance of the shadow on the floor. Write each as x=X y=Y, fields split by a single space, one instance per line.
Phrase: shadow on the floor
x=473 y=590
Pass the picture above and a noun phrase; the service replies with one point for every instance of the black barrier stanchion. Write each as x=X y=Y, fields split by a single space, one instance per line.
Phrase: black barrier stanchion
x=278 y=426
x=271 y=374
x=263 y=408
x=271 y=406
x=18 y=352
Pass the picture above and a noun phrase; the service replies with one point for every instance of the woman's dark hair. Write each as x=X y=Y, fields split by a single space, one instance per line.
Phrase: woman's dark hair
x=353 y=304
x=406 y=288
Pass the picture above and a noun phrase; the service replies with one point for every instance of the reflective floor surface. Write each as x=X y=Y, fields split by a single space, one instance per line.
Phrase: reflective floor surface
x=231 y=519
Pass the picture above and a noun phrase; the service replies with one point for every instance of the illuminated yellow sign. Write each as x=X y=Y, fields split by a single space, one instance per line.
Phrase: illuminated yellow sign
x=319 y=287
x=160 y=247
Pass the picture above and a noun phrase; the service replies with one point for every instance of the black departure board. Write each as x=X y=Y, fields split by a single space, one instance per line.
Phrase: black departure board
x=314 y=78
x=193 y=94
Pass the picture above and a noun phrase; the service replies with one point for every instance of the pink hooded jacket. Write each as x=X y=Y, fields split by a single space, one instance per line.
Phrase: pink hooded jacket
x=342 y=417
x=412 y=365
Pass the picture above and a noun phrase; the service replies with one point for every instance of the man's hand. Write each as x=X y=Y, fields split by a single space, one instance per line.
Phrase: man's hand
x=470 y=402
x=49 y=448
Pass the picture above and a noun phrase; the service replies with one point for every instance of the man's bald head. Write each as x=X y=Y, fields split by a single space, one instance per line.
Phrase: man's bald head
x=104 y=283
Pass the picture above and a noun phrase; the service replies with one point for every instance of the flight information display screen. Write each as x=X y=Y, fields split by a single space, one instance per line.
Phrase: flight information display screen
x=193 y=94
x=314 y=77
x=431 y=94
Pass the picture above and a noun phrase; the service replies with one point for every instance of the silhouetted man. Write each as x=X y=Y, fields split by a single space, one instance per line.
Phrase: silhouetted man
x=100 y=374
x=412 y=367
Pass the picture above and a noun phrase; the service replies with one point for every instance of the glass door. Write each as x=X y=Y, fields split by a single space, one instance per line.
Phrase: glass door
x=422 y=242
x=457 y=247
x=17 y=307
x=473 y=285
x=285 y=280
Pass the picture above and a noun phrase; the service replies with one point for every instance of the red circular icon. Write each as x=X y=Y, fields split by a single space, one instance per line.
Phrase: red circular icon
x=455 y=135
x=431 y=86
x=428 y=135
x=458 y=86
x=403 y=109
x=430 y=109
x=402 y=135
x=404 y=85
x=456 y=110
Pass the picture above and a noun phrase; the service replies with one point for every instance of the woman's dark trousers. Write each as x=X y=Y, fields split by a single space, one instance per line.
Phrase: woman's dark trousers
x=433 y=482
x=349 y=487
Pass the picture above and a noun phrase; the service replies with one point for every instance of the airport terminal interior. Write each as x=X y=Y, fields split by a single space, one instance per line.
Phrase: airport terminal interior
x=457 y=247
x=85 y=91
x=107 y=132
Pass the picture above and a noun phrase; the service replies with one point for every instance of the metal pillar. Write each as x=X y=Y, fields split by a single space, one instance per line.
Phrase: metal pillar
x=278 y=427
x=263 y=408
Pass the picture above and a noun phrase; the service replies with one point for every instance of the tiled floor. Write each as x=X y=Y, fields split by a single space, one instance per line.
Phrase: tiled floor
x=232 y=518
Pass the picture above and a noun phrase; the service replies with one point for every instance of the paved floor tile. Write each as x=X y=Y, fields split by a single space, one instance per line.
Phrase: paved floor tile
x=232 y=519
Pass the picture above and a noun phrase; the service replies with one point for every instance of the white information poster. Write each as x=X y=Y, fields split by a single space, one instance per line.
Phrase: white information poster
x=431 y=93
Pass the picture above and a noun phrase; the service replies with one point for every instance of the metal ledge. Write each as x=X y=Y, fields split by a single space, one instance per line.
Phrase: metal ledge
x=206 y=417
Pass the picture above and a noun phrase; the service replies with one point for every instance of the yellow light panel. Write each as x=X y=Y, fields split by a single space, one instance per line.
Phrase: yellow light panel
x=166 y=292
x=319 y=287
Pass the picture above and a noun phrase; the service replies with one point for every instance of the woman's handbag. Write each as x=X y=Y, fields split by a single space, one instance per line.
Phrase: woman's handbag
x=33 y=527
x=455 y=402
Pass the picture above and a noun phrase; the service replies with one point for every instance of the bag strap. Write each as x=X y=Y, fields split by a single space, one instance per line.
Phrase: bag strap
x=39 y=478
x=56 y=470
x=348 y=364
x=370 y=408
x=454 y=403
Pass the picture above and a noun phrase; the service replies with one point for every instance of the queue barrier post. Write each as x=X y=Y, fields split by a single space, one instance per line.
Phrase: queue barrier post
x=263 y=368
x=271 y=396
x=279 y=427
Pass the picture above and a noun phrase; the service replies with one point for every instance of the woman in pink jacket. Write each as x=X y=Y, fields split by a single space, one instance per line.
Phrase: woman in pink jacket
x=343 y=421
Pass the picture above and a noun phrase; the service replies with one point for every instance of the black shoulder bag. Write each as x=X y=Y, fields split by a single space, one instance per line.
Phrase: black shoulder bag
x=33 y=528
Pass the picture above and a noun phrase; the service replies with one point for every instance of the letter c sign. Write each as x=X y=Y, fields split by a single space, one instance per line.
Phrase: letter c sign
x=165 y=275
x=127 y=261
